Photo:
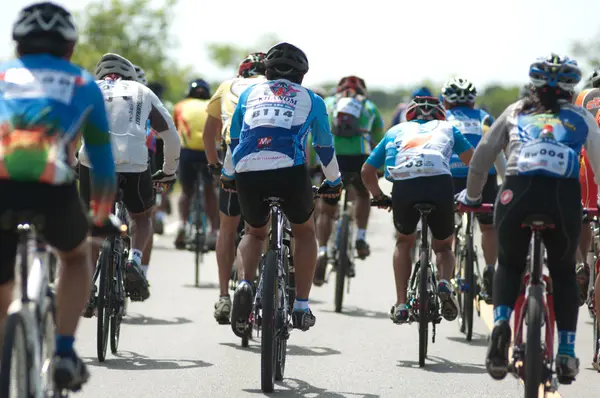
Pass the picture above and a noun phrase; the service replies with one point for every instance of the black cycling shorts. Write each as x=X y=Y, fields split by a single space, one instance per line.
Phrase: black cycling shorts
x=138 y=190
x=229 y=203
x=488 y=195
x=435 y=190
x=190 y=162
x=64 y=222
x=291 y=184
x=350 y=168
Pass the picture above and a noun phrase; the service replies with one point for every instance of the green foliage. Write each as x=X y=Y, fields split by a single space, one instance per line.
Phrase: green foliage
x=135 y=30
x=227 y=55
x=588 y=51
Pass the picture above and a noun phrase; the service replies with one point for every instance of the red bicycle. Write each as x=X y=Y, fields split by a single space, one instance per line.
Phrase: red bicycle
x=592 y=215
x=532 y=358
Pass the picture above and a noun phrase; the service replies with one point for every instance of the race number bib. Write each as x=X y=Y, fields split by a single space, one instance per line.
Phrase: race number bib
x=349 y=105
x=468 y=126
x=417 y=165
x=272 y=114
x=542 y=155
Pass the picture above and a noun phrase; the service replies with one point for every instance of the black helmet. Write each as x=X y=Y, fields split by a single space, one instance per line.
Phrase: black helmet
x=286 y=59
x=199 y=88
x=47 y=21
x=157 y=88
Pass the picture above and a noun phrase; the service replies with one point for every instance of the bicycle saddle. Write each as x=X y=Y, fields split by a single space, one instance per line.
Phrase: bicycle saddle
x=425 y=207
x=10 y=219
x=538 y=221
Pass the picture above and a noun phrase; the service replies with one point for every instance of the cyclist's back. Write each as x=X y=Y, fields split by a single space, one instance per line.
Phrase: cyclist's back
x=589 y=100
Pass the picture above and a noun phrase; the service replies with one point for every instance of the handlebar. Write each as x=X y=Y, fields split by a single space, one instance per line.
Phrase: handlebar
x=315 y=191
x=385 y=203
x=483 y=208
x=112 y=227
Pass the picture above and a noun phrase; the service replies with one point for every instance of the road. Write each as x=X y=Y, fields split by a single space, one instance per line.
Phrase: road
x=172 y=347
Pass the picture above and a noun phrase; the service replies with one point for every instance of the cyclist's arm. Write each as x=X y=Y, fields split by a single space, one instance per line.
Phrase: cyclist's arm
x=162 y=123
x=377 y=129
x=213 y=126
x=374 y=162
x=95 y=134
x=237 y=121
x=486 y=153
x=462 y=147
x=500 y=163
x=322 y=141
x=592 y=146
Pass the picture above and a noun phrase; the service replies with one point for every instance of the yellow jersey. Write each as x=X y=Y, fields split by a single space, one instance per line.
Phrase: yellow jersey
x=225 y=100
x=190 y=116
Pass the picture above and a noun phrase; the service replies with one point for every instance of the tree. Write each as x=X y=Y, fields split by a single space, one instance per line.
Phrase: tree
x=135 y=30
x=229 y=56
x=496 y=98
x=589 y=51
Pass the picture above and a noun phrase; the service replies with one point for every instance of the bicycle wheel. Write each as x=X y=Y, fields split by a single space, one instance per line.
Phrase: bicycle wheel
x=117 y=313
x=282 y=322
x=268 y=342
x=343 y=263
x=533 y=345
x=459 y=256
x=104 y=300
x=423 y=307
x=469 y=294
x=15 y=378
x=47 y=344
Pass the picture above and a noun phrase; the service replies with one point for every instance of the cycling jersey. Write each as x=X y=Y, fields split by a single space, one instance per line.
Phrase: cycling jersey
x=130 y=105
x=418 y=149
x=370 y=121
x=223 y=102
x=44 y=103
x=590 y=100
x=470 y=122
x=270 y=125
x=399 y=114
x=531 y=151
x=190 y=116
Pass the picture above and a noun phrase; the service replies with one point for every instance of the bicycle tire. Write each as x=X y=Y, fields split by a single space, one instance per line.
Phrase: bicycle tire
x=15 y=341
x=533 y=345
x=595 y=342
x=469 y=298
x=117 y=316
x=423 y=307
x=459 y=265
x=268 y=337
x=281 y=348
x=47 y=344
x=104 y=301
x=343 y=263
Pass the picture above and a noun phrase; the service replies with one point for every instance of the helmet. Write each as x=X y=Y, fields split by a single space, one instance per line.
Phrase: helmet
x=425 y=108
x=459 y=90
x=555 y=71
x=157 y=88
x=352 y=82
x=197 y=86
x=113 y=63
x=595 y=78
x=44 y=21
x=421 y=92
x=252 y=65
x=141 y=75
x=285 y=59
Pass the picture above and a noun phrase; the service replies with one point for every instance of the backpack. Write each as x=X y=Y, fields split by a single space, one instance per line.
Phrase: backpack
x=346 y=116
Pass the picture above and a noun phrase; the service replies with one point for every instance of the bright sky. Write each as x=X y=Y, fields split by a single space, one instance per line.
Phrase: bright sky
x=389 y=43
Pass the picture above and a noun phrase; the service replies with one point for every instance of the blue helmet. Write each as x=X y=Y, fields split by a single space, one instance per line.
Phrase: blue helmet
x=421 y=92
x=555 y=71
x=199 y=88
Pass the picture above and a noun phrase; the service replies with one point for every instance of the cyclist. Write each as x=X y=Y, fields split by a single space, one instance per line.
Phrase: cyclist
x=426 y=138
x=531 y=129
x=50 y=99
x=399 y=114
x=220 y=110
x=459 y=100
x=357 y=126
x=129 y=105
x=268 y=136
x=589 y=99
x=190 y=116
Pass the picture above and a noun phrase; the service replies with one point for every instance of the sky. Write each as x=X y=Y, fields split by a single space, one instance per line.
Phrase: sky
x=389 y=43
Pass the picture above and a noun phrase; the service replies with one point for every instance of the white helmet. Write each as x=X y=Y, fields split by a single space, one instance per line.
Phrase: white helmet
x=114 y=63
x=459 y=90
x=140 y=75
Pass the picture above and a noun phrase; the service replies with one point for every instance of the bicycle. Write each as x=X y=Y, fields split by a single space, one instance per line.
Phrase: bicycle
x=110 y=276
x=198 y=222
x=29 y=335
x=532 y=360
x=467 y=275
x=592 y=214
x=422 y=287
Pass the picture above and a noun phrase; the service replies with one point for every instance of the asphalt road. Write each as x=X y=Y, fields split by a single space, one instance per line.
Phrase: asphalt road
x=172 y=347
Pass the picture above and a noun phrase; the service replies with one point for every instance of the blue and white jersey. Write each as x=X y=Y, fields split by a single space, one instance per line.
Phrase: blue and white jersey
x=470 y=122
x=418 y=149
x=270 y=126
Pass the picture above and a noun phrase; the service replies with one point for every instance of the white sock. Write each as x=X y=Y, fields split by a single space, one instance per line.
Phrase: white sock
x=135 y=255
x=301 y=304
x=322 y=249
x=361 y=234
x=145 y=269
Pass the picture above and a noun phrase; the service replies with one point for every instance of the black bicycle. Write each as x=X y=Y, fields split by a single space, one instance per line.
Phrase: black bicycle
x=198 y=222
x=422 y=294
x=343 y=251
x=110 y=275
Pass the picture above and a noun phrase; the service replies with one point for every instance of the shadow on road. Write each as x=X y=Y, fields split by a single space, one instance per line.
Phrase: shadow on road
x=479 y=340
x=128 y=360
x=299 y=388
x=139 y=319
x=291 y=349
x=204 y=285
x=360 y=313
x=441 y=365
